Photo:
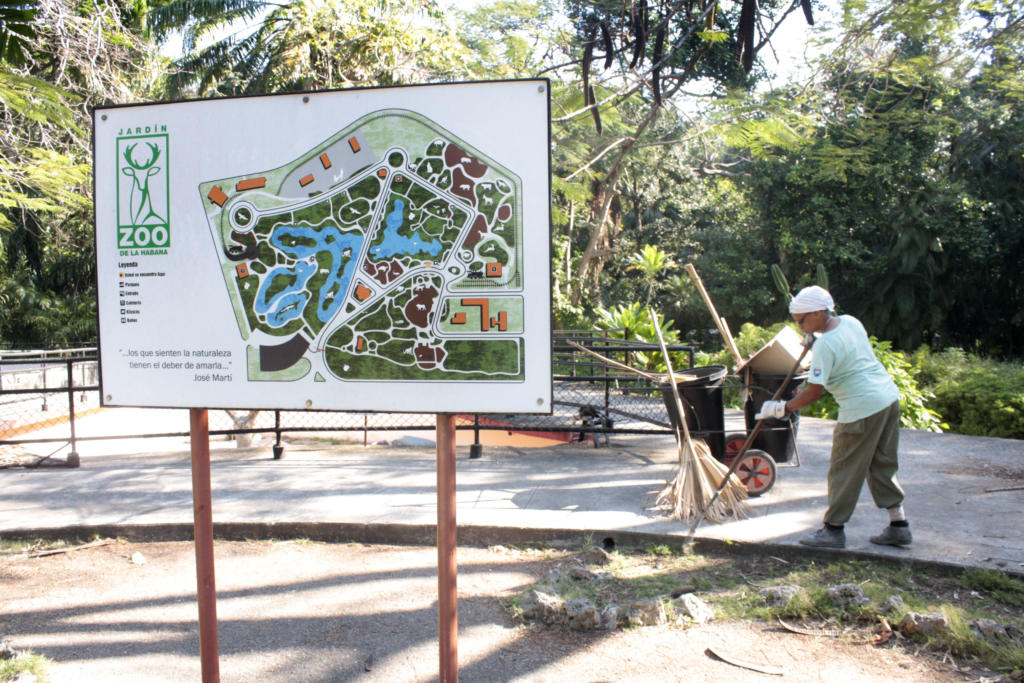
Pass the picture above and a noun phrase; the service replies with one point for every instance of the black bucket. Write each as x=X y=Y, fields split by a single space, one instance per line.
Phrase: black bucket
x=702 y=398
x=775 y=438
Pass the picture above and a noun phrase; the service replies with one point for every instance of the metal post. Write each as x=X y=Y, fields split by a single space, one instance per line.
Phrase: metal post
x=206 y=590
x=447 y=566
x=476 y=449
x=277 y=447
x=73 y=460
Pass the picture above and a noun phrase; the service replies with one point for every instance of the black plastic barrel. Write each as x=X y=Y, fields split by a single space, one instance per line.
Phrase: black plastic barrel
x=775 y=437
x=702 y=400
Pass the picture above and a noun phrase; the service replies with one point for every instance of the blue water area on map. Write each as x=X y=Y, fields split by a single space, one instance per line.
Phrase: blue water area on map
x=302 y=243
x=399 y=245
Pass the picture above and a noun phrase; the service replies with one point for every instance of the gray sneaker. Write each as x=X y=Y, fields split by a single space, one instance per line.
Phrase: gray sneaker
x=893 y=535
x=825 y=537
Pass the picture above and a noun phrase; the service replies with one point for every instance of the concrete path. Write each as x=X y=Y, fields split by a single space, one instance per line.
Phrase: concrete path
x=964 y=494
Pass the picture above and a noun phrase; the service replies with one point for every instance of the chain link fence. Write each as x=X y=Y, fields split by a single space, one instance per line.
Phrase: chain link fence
x=47 y=397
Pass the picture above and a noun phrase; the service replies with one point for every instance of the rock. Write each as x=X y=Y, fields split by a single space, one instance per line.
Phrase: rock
x=695 y=608
x=543 y=607
x=138 y=558
x=646 y=613
x=582 y=615
x=893 y=605
x=779 y=595
x=595 y=555
x=925 y=624
x=582 y=574
x=847 y=593
x=554 y=574
x=610 y=617
x=6 y=651
x=995 y=632
x=682 y=590
x=25 y=677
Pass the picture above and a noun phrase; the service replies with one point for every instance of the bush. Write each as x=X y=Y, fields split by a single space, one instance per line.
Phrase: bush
x=976 y=396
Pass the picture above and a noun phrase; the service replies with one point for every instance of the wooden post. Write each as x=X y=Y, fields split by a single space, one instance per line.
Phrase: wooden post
x=206 y=590
x=447 y=566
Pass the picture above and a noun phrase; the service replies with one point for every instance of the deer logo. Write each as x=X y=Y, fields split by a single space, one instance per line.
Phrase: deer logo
x=141 y=200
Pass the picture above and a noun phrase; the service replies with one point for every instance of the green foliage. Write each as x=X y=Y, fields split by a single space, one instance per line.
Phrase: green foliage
x=914 y=410
x=974 y=395
x=633 y=322
x=652 y=261
x=37 y=666
x=1007 y=589
x=781 y=283
x=307 y=45
x=82 y=55
x=17 y=31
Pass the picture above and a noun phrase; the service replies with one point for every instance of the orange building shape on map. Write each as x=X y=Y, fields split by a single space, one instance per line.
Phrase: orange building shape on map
x=354 y=144
x=359 y=344
x=325 y=160
x=363 y=292
x=242 y=271
x=250 y=184
x=217 y=195
x=306 y=180
x=501 y=322
x=486 y=321
x=493 y=269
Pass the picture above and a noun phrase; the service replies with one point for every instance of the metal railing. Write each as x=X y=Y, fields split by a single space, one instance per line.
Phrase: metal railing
x=44 y=393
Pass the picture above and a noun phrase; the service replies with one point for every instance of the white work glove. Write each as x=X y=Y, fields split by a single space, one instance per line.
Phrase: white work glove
x=776 y=409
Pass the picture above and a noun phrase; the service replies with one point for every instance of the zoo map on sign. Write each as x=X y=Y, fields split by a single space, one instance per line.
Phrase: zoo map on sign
x=391 y=251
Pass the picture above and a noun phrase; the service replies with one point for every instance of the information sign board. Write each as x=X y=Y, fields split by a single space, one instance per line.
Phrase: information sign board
x=374 y=249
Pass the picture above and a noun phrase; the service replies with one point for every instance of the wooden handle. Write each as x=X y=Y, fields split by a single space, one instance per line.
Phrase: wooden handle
x=723 y=327
x=622 y=366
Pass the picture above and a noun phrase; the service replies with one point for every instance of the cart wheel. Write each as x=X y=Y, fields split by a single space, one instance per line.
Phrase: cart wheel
x=757 y=472
x=733 y=443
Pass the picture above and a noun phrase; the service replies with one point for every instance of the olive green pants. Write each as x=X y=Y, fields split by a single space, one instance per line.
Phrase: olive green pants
x=865 y=449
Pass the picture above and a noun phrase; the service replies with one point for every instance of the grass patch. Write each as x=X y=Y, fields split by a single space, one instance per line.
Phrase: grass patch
x=732 y=587
x=16 y=547
x=37 y=665
x=1004 y=588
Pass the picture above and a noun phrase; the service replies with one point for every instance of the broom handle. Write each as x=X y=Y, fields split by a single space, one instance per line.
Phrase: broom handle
x=672 y=381
x=617 y=364
x=720 y=323
x=746 y=444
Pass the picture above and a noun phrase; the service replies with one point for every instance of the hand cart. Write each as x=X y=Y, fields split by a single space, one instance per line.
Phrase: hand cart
x=775 y=443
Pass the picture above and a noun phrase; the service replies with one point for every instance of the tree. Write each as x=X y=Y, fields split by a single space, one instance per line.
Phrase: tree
x=656 y=52
x=308 y=45
x=897 y=186
x=81 y=55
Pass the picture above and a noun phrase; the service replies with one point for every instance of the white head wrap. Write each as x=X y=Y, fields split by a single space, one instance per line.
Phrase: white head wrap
x=811 y=299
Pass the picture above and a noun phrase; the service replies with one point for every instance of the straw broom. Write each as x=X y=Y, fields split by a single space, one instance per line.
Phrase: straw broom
x=700 y=475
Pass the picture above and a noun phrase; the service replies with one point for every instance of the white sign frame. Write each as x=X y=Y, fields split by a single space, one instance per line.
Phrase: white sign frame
x=248 y=250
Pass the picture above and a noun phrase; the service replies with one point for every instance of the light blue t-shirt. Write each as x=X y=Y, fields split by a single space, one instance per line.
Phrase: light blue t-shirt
x=842 y=361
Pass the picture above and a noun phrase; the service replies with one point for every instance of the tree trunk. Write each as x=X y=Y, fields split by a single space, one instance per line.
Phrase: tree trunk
x=597 y=250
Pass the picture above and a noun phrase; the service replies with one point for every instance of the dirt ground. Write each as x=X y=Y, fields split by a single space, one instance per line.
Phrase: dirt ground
x=314 y=612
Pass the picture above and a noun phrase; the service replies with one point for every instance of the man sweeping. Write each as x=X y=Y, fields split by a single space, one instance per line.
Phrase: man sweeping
x=866 y=436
